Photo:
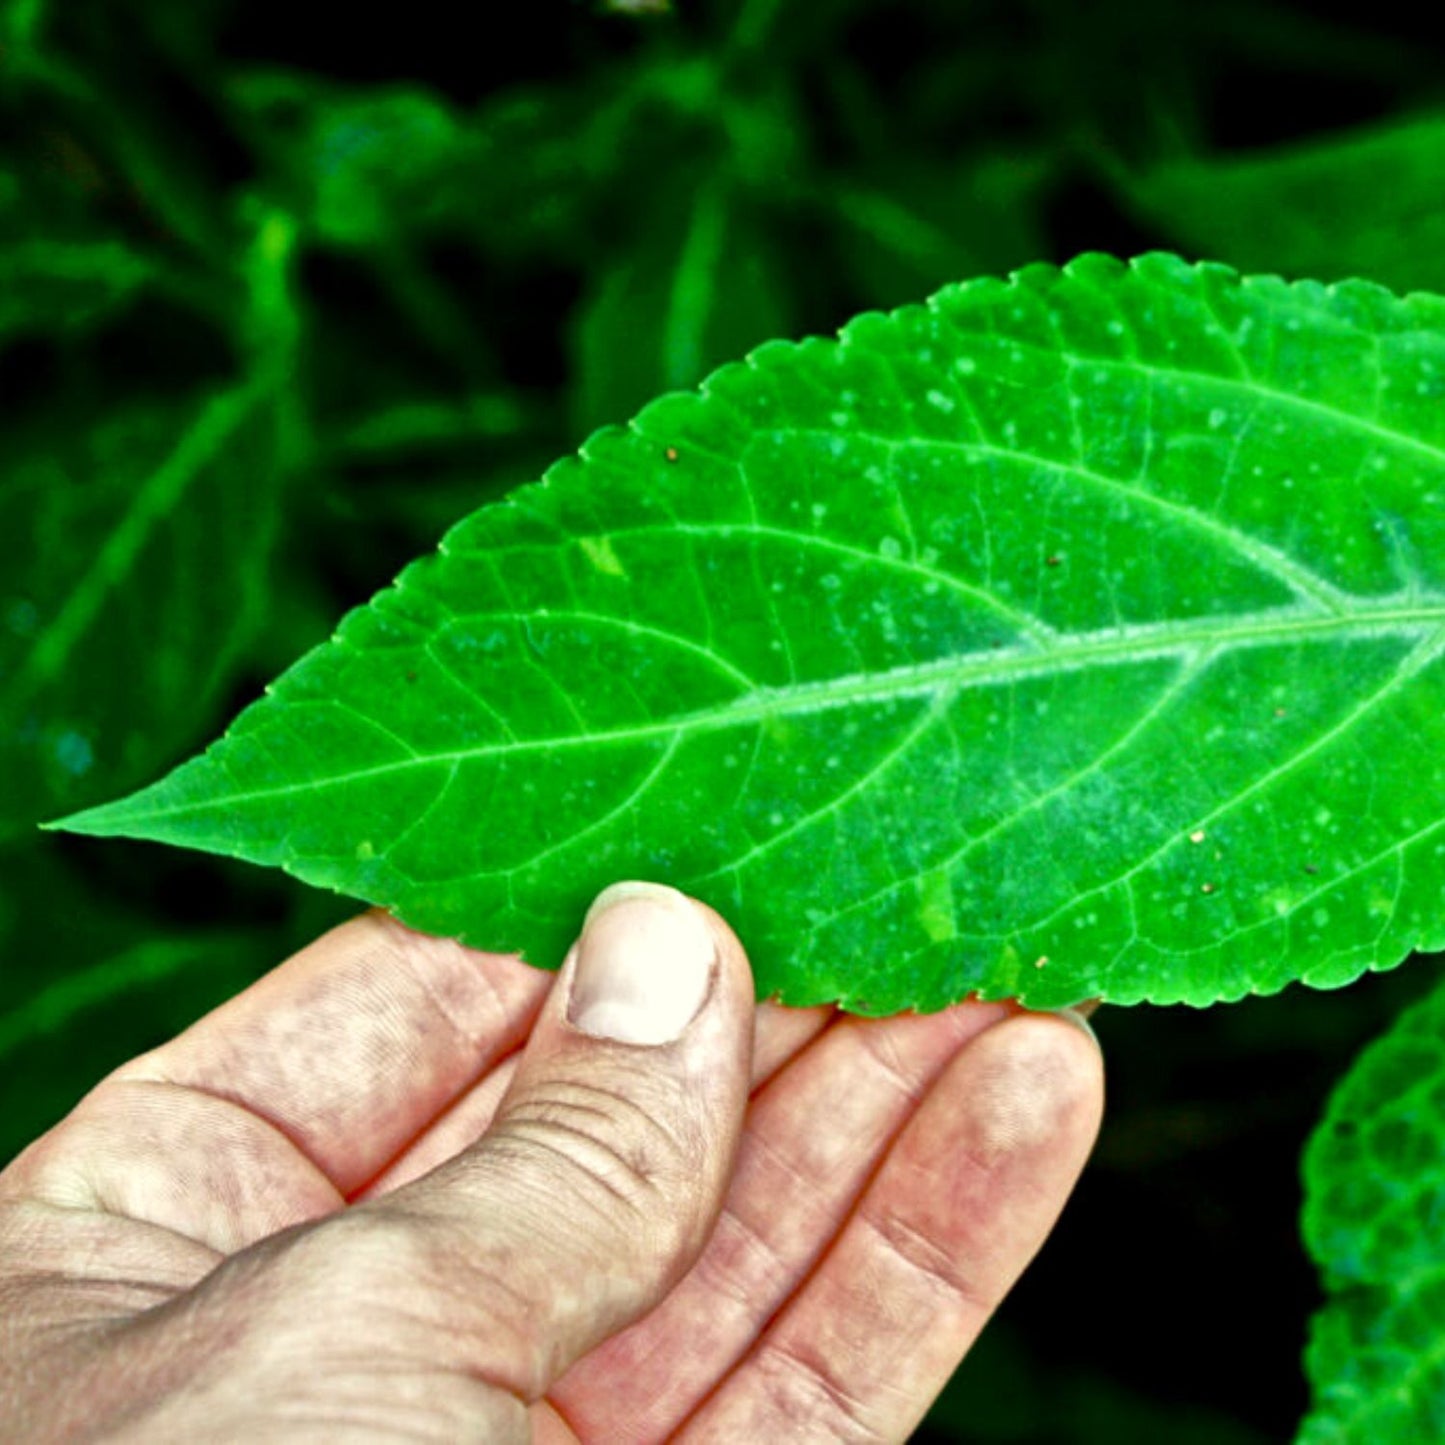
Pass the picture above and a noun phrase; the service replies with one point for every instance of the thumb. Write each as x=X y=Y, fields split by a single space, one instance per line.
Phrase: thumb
x=601 y=1177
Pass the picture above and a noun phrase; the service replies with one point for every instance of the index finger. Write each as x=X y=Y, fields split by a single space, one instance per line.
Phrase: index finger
x=356 y=1043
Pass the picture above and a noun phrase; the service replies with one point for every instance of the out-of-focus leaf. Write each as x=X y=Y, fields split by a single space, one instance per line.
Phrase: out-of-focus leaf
x=373 y=163
x=50 y=286
x=132 y=567
x=19 y=21
x=378 y=165
x=703 y=285
x=405 y=474
x=384 y=506
x=424 y=426
x=52 y=1009
x=1374 y=1210
x=923 y=222
x=1077 y=635
x=1367 y=203
x=643 y=9
x=126 y=146
x=61 y=268
x=545 y=164
x=385 y=159
x=93 y=1016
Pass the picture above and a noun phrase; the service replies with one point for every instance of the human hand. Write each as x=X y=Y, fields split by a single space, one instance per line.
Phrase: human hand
x=403 y=1189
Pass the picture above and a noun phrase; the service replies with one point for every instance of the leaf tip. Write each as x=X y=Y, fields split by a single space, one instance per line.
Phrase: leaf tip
x=97 y=822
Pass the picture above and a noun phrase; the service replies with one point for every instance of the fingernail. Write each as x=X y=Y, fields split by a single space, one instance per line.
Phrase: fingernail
x=643 y=967
x=1073 y=1016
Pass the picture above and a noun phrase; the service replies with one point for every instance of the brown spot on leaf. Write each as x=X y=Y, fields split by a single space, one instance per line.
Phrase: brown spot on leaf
x=671 y=454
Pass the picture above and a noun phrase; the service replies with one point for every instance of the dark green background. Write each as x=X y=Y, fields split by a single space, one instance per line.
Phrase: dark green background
x=282 y=295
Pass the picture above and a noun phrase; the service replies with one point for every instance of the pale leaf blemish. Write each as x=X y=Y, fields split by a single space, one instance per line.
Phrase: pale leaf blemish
x=599 y=552
x=935 y=906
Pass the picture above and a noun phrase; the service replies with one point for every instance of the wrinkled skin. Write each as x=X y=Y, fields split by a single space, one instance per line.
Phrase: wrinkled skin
x=391 y=1192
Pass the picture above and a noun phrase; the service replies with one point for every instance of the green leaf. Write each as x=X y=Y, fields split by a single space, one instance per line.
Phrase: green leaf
x=1076 y=635
x=1366 y=203
x=1375 y=1201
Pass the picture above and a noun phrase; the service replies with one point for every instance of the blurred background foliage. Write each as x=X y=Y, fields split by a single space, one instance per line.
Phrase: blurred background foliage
x=282 y=295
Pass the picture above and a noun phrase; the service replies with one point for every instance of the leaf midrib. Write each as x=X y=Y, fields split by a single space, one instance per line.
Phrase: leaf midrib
x=1397 y=615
